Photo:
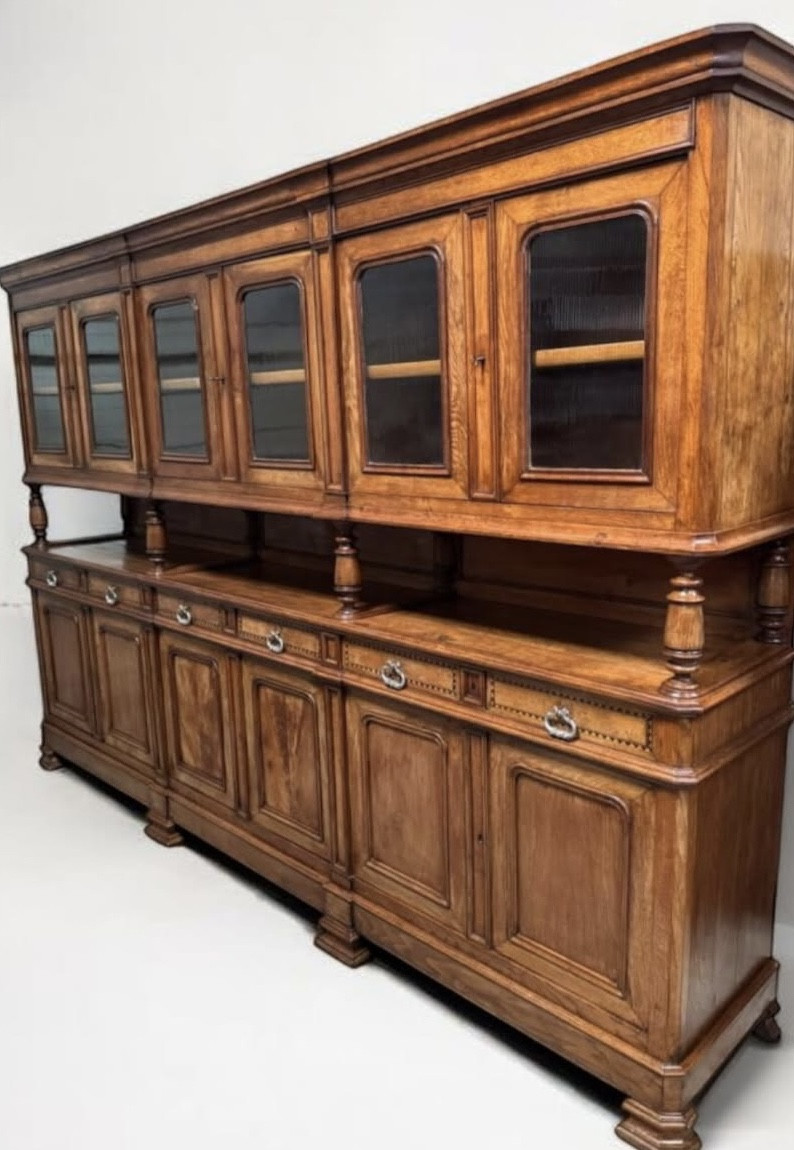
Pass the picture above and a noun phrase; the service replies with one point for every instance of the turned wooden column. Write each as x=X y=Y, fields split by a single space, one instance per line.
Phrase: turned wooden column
x=347 y=571
x=37 y=516
x=156 y=539
x=774 y=594
x=684 y=632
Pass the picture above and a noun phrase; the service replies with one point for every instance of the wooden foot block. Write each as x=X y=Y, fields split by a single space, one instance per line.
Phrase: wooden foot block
x=162 y=830
x=767 y=1029
x=49 y=761
x=649 y=1130
x=341 y=942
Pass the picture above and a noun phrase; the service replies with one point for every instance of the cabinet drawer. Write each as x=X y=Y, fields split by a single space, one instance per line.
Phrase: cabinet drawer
x=280 y=638
x=112 y=593
x=408 y=674
x=55 y=575
x=190 y=614
x=567 y=718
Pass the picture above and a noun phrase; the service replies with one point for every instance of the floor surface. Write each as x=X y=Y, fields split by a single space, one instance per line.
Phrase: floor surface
x=164 y=999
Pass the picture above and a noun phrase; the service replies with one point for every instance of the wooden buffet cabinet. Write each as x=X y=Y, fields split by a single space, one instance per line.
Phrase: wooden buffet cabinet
x=453 y=591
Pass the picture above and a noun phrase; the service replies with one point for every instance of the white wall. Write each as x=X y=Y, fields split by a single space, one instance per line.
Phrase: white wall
x=112 y=112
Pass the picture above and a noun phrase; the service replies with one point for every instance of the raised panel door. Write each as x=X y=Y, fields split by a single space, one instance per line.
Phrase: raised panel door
x=287 y=749
x=199 y=717
x=591 y=288
x=65 y=662
x=46 y=390
x=126 y=697
x=184 y=392
x=402 y=307
x=407 y=806
x=571 y=867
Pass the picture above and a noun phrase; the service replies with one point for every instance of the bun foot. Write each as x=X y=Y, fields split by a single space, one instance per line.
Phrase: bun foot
x=48 y=760
x=341 y=942
x=767 y=1029
x=162 y=830
x=650 y=1130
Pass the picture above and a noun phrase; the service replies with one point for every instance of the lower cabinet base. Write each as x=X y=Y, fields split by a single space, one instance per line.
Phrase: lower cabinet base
x=659 y=1114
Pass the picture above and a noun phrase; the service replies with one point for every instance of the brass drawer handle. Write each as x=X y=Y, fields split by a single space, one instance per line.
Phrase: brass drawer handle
x=392 y=675
x=184 y=615
x=560 y=724
x=51 y=578
x=112 y=596
x=275 y=642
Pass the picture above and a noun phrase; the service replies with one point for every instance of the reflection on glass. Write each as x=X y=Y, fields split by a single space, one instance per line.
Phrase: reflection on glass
x=402 y=388
x=102 y=349
x=179 y=372
x=276 y=373
x=585 y=375
x=45 y=394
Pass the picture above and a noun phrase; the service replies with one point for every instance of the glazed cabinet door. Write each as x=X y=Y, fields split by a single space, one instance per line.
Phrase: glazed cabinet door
x=402 y=304
x=125 y=687
x=591 y=286
x=287 y=740
x=572 y=881
x=185 y=394
x=198 y=687
x=46 y=390
x=276 y=370
x=110 y=418
x=407 y=803
x=62 y=628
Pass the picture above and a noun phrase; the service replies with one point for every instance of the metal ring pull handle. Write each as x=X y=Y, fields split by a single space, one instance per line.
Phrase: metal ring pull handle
x=275 y=642
x=112 y=596
x=392 y=675
x=51 y=578
x=184 y=615
x=560 y=724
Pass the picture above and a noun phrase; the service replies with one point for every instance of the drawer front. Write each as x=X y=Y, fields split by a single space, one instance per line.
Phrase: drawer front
x=403 y=674
x=278 y=638
x=189 y=613
x=565 y=718
x=55 y=576
x=111 y=593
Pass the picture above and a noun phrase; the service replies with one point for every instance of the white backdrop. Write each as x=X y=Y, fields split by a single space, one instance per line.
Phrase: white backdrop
x=112 y=111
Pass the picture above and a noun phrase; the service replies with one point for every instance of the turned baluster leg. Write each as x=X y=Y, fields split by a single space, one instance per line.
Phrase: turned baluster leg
x=156 y=539
x=651 y=1130
x=37 y=516
x=774 y=594
x=684 y=634
x=347 y=571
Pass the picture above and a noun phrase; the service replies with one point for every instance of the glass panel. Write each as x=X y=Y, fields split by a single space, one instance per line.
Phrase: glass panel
x=402 y=391
x=179 y=371
x=45 y=394
x=587 y=345
x=276 y=372
x=102 y=347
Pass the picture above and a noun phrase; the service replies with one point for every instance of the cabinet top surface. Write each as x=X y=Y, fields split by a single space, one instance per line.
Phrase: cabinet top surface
x=740 y=58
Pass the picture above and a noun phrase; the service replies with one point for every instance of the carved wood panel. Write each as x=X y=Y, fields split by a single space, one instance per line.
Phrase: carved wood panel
x=571 y=876
x=126 y=692
x=66 y=668
x=287 y=740
x=199 y=721
x=407 y=806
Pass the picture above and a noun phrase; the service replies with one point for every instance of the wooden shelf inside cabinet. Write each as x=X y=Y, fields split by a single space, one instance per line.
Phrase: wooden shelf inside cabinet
x=410 y=369
x=622 y=352
x=189 y=383
x=107 y=388
x=284 y=375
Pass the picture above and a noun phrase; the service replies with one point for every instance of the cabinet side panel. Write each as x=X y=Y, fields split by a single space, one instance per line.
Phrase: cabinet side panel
x=736 y=846
x=750 y=394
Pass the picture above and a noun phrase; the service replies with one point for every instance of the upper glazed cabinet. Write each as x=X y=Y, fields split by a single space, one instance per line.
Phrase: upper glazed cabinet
x=233 y=375
x=591 y=290
x=402 y=301
x=77 y=398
